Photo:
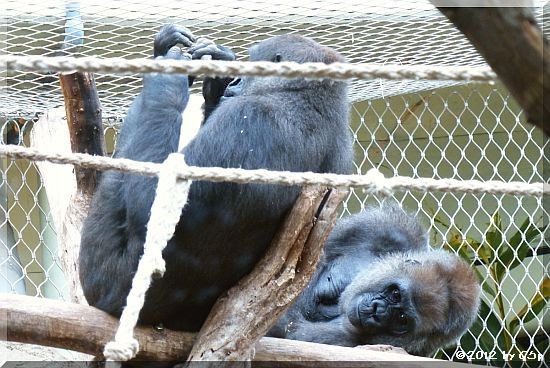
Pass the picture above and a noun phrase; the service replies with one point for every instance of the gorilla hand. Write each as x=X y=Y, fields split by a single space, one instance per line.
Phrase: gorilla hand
x=204 y=46
x=170 y=35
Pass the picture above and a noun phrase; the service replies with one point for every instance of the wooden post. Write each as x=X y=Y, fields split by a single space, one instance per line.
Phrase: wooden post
x=83 y=111
x=513 y=45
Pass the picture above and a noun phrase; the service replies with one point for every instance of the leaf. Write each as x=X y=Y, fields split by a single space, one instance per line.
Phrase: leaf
x=537 y=303
x=522 y=247
x=437 y=220
x=493 y=236
x=485 y=285
x=460 y=246
x=483 y=252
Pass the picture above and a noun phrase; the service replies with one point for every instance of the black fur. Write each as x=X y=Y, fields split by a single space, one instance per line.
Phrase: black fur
x=272 y=123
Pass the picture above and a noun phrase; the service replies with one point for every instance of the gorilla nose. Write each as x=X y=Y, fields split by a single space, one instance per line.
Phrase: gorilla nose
x=370 y=313
x=378 y=308
x=360 y=311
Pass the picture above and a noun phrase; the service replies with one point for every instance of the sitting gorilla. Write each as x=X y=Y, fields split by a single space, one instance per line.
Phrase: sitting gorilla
x=380 y=283
x=262 y=123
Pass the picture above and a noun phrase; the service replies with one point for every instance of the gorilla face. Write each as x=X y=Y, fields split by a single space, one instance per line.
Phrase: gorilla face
x=420 y=301
x=386 y=310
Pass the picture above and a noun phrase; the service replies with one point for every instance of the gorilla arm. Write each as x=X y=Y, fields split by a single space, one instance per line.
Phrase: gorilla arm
x=150 y=133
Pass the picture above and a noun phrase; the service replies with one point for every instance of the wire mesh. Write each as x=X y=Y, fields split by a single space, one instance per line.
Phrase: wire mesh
x=413 y=128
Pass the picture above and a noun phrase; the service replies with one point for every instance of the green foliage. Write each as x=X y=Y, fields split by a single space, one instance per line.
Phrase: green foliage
x=492 y=331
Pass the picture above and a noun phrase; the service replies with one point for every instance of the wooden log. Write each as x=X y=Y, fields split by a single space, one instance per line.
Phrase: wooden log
x=83 y=111
x=86 y=329
x=513 y=45
x=81 y=328
x=83 y=114
x=246 y=312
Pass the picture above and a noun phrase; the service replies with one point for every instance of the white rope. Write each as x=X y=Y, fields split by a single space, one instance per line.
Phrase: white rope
x=171 y=197
x=370 y=182
x=257 y=68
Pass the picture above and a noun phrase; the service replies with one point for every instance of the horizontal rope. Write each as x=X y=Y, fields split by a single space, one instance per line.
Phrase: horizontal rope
x=241 y=68
x=372 y=183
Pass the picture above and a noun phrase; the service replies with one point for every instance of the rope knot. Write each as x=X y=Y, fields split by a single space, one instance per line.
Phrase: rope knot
x=380 y=184
x=121 y=349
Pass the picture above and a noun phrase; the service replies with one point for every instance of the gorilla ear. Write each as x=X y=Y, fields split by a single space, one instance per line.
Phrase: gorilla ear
x=464 y=293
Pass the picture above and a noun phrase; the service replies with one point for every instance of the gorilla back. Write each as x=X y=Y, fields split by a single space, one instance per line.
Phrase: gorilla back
x=262 y=123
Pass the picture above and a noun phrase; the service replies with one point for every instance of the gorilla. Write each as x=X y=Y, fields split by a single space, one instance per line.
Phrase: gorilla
x=251 y=123
x=379 y=282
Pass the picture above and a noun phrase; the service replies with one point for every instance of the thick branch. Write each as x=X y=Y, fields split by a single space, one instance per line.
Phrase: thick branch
x=83 y=111
x=513 y=45
x=243 y=315
x=86 y=329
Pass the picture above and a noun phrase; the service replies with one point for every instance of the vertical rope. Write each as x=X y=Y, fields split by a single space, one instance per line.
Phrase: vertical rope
x=171 y=197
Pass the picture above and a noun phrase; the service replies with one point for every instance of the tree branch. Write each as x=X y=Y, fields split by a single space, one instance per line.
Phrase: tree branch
x=247 y=311
x=86 y=329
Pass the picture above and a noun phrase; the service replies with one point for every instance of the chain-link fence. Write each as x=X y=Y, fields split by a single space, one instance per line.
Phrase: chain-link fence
x=411 y=128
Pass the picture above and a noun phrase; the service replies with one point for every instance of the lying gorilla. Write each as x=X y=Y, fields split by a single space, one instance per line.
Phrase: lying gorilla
x=264 y=123
x=380 y=283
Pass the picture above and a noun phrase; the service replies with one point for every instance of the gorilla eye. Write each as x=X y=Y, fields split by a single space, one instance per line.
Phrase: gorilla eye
x=278 y=58
x=402 y=319
x=396 y=294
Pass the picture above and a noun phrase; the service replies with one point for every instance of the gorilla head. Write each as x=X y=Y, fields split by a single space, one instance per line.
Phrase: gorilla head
x=353 y=246
x=292 y=48
x=379 y=282
x=419 y=301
